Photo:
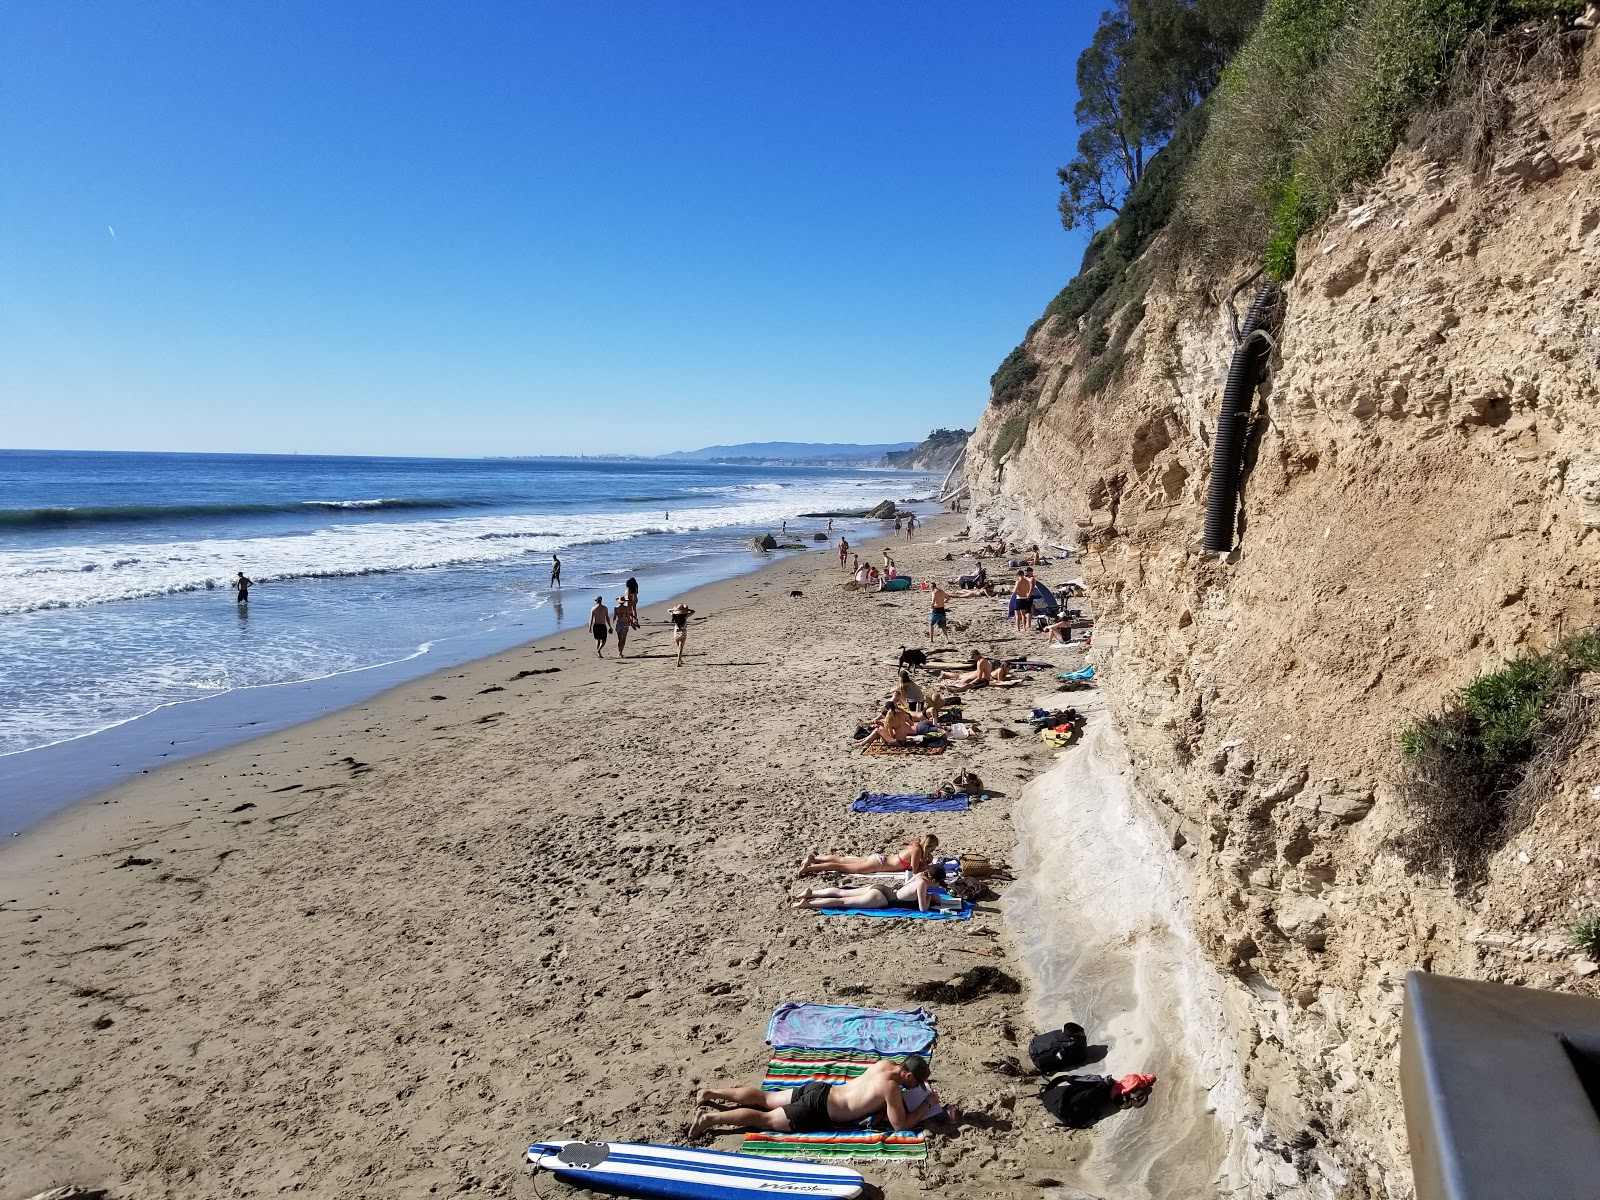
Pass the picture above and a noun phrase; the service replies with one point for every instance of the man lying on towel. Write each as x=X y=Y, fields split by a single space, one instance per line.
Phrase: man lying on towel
x=882 y=1090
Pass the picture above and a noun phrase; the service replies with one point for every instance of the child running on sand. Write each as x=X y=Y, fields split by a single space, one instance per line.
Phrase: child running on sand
x=918 y=853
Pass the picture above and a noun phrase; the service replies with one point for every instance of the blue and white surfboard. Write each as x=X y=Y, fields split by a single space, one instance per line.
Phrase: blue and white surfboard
x=676 y=1172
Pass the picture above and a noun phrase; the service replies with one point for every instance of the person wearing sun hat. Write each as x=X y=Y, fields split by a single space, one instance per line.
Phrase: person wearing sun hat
x=680 y=614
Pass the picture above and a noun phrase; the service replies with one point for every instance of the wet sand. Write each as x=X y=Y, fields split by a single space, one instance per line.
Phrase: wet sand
x=380 y=953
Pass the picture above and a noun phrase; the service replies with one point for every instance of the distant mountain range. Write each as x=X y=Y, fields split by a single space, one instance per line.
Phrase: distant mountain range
x=819 y=453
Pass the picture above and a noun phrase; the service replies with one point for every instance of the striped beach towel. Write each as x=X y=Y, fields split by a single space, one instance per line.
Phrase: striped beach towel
x=839 y=1144
x=791 y=1067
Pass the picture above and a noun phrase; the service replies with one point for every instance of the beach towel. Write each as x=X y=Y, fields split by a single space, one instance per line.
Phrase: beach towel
x=904 y=914
x=1022 y=664
x=1057 y=737
x=1084 y=673
x=882 y=748
x=883 y=802
x=840 y=1144
x=886 y=1032
x=793 y=1066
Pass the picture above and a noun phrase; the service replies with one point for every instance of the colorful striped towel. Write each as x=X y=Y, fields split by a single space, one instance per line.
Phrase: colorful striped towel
x=885 y=802
x=882 y=748
x=792 y=1066
x=908 y=1146
x=885 y=1032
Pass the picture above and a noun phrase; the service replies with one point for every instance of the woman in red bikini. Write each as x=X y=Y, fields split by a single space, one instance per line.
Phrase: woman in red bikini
x=916 y=857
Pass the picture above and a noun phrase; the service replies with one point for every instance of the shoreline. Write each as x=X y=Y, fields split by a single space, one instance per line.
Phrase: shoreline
x=385 y=949
x=59 y=774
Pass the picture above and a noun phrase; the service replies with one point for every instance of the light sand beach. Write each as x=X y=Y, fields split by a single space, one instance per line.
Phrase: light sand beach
x=380 y=953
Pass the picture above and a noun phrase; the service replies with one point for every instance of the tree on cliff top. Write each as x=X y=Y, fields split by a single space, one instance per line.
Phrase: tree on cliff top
x=1151 y=61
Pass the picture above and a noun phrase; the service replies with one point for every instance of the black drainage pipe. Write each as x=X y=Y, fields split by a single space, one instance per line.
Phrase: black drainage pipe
x=1222 y=496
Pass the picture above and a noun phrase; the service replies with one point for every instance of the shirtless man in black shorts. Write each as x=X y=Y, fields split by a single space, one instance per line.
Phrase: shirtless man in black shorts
x=1022 y=601
x=815 y=1106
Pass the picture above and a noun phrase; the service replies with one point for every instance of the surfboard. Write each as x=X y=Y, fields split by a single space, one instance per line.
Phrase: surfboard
x=679 y=1173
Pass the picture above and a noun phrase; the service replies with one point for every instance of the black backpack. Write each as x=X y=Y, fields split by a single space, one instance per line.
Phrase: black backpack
x=1078 y=1101
x=1060 y=1049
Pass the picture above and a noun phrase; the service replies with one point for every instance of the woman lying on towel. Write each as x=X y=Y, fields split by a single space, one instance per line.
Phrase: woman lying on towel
x=913 y=893
x=917 y=855
x=982 y=674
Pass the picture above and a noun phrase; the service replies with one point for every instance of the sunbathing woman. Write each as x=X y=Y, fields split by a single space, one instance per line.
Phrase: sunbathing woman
x=978 y=676
x=913 y=893
x=917 y=854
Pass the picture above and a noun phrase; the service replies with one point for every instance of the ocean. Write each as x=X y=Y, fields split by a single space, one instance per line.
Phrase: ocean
x=116 y=569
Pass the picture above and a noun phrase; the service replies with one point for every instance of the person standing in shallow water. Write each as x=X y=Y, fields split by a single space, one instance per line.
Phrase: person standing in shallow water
x=555 y=571
x=680 y=627
x=599 y=626
x=242 y=586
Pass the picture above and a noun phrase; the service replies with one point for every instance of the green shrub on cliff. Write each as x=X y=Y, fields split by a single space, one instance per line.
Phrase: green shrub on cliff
x=1315 y=102
x=1473 y=771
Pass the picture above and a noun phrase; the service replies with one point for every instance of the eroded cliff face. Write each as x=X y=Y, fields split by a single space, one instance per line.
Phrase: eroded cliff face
x=1422 y=502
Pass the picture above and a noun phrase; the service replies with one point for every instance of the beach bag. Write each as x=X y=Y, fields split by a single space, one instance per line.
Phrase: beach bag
x=968 y=783
x=1060 y=1049
x=977 y=866
x=963 y=887
x=1078 y=1101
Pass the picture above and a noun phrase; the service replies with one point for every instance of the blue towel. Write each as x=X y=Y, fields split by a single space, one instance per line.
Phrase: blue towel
x=883 y=802
x=845 y=1027
x=905 y=914
x=1085 y=673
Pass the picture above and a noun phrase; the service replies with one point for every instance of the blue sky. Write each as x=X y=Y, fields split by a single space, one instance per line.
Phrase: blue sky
x=522 y=228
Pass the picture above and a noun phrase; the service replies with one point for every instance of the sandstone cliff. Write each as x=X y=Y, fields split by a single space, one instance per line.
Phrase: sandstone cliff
x=1421 y=502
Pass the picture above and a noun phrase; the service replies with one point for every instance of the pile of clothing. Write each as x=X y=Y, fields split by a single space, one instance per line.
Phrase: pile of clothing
x=1058 y=727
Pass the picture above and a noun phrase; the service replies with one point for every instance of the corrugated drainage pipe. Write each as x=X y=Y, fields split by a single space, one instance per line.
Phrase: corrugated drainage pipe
x=1222 y=496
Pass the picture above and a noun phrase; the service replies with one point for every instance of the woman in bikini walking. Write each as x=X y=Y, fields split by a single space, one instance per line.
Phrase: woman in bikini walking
x=680 y=627
x=917 y=855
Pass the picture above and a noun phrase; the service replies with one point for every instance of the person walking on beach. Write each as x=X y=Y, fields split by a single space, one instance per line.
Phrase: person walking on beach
x=1022 y=602
x=911 y=525
x=680 y=615
x=938 y=615
x=622 y=620
x=555 y=571
x=844 y=551
x=599 y=625
x=242 y=586
x=632 y=588
x=830 y=524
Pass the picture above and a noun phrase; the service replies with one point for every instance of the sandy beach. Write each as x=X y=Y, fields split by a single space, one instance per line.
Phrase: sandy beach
x=380 y=953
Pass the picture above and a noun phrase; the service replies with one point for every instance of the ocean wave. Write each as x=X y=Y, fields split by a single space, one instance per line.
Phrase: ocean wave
x=112 y=514
x=74 y=576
